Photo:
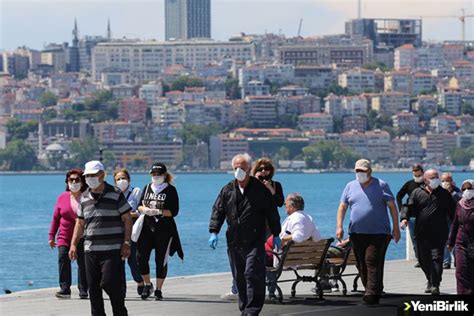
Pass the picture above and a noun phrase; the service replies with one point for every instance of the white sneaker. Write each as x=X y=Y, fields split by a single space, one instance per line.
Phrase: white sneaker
x=229 y=296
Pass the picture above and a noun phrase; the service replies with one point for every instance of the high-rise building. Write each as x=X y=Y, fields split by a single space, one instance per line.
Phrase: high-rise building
x=186 y=19
x=73 y=65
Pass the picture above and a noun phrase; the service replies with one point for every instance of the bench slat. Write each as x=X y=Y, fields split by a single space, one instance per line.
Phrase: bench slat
x=297 y=262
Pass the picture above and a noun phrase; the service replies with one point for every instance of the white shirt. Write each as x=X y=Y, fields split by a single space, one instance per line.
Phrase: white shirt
x=301 y=227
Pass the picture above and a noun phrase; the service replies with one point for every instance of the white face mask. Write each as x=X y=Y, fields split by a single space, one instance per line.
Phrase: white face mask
x=93 y=182
x=434 y=183
x=362 y=177
x=122 y=184
x=445 y=185
x=240 y=174
x=468 y=194
x=74 y=187
x=158 y=179
x=418 y=179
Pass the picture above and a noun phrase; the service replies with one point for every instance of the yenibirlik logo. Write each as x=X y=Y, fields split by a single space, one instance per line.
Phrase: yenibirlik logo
x=437 y=306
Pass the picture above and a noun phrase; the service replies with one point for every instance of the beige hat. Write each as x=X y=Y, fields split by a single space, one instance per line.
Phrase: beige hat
x=362 y=164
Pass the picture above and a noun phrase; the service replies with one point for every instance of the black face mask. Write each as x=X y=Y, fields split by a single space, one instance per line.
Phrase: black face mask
x=262 y=178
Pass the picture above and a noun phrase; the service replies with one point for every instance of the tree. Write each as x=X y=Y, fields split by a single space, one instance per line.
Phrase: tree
x=376 y=64
x=49 y=114
x=18 y=155
x=462 y=157
x=184 y=81
x=466 y=108
x=325 y=154
x=48 y=99
x=192 y=134
x=232 y=89
x=19 y=130
x=82 y=151
x=110 y=159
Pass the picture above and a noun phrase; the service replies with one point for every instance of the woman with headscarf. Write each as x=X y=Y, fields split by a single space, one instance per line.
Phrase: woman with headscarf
x=62 y=224
x=159 y=203
x=462 y=239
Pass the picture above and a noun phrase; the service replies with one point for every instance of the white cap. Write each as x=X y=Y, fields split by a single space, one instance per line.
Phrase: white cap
x=92 y=167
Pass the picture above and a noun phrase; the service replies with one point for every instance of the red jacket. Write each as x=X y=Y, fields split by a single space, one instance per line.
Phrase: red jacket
x=64 y=218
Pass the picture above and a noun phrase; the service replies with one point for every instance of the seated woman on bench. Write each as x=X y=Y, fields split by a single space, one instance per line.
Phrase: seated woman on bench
x=298 y=226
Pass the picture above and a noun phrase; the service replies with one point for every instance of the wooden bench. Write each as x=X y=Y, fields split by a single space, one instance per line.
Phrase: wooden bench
x=340 y=264
x=296 y=257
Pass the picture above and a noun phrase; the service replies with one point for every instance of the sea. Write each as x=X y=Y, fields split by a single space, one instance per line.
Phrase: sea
x=27 y=202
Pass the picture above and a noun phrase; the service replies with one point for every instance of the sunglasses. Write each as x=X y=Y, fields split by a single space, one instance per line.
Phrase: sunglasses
x=263 y=169
x=74 y=180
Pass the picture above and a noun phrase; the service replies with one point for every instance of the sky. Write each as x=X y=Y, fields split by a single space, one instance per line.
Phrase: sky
x=34 y=23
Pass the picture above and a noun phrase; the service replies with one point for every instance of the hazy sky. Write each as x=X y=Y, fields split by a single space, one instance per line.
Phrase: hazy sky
x=36 y=22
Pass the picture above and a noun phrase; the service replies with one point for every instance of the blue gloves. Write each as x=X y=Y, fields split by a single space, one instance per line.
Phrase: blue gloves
x=213 y=241
x=276 y=242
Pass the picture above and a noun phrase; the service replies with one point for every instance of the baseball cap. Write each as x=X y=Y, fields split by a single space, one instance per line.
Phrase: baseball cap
x=362 y=164
x=93 y=167
x=158 y=167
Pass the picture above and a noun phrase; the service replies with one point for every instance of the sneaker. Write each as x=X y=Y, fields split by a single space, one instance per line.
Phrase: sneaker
x=435 y=291
x=83 y=295
x=428 y=288
x=272 y=297
x=230 y=296
x=158 y=295
x=335 y=288
x=147 y=290
x=140 y=289
x=63 y=294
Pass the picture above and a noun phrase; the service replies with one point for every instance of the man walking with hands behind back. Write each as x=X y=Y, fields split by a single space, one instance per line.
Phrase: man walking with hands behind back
x=247 y=206
x=103 y=217
x=369 y=228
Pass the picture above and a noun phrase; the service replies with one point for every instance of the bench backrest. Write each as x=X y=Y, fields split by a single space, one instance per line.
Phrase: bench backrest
x=306 y=253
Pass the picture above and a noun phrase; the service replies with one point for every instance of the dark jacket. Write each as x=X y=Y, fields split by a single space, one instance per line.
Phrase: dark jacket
x=247 y=214
x=462 y=230
x=278 y=196
x=406 y=189
x=431 y=212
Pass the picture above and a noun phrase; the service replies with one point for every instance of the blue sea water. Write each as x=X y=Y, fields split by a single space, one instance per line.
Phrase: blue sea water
x=27 y=201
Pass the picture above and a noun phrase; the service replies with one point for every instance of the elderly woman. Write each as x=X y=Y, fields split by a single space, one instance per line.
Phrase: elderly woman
x=264 y=171
x=159 y=204
x=132 y=194
x=64 y=218
x=462 y=236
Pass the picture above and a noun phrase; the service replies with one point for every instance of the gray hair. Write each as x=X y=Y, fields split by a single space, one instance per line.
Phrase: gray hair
x=430 y=171
x=243 y=156
x=296 y=200
x=449 y=175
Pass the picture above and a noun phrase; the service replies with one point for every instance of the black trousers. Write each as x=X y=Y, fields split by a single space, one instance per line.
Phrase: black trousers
x=64 y=265
x=369 y=250
x=248 y=270
x=158 y=241
x=105 y=271
x=430 y=256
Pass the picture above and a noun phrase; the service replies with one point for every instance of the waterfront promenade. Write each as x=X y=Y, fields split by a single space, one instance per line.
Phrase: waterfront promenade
x=199 y=295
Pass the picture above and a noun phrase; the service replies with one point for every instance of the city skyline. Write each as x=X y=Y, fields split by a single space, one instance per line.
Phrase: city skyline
x=247 y=16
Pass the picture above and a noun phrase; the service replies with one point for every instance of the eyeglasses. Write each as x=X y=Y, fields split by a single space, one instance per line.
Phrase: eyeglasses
x=74 y=180
x=261 y=169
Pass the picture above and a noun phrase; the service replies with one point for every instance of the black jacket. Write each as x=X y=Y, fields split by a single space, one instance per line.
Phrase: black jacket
x=247 y=214
x=431 y=212
x=406 y=189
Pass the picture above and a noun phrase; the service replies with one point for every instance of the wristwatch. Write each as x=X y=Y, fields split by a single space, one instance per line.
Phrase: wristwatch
x=128 y=243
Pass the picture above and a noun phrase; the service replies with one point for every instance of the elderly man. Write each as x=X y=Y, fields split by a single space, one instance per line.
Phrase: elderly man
x=430 y=205
x=369 y=227
x=247 y=206
x=407 y=189
x=297 y=227
x=103 y=217
x=448 y=184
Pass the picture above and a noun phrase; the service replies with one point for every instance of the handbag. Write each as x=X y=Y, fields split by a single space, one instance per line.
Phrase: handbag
x=137 y=227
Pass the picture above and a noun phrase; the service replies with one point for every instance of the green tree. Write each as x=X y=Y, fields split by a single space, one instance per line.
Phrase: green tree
x=48 y=99
x=376 y=64
x=110 y=159
x=325 y=154
x=49 y=114
x=184 y=81
x=18 y=155
x=232 y=89
x=19 y=130
x=462 y=156
x=466 y=108
x=193 y=134
x=82 y=151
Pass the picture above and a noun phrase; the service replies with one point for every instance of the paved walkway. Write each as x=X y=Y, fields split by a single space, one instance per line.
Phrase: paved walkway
x=199 y=295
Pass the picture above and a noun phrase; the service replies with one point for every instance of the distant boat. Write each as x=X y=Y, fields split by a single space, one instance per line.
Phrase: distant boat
x=471 y=164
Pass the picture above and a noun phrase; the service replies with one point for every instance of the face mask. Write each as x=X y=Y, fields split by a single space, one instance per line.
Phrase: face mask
x=74 y=187
x=445 y=185
x=262 y=178
x=240 y=174
x=434 y=183
x=362 y=177
x=122 y=184
x=158 y=179
x=468 y=194
x=418 y=179
x=93 y=182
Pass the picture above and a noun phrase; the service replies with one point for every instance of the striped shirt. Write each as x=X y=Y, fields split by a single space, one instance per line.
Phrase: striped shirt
x=103 y=227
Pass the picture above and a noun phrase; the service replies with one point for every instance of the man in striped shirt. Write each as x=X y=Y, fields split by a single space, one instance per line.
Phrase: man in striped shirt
x=103 y=217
